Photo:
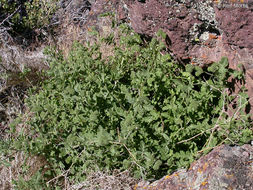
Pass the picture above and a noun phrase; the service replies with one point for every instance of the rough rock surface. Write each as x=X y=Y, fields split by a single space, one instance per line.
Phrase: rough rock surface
x=225 y=168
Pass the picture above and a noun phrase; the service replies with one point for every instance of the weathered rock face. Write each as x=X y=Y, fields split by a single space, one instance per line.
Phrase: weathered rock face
x=237 y=39
x=183 y=21
x=194 y=25
x=176 y=21
x=224 y=168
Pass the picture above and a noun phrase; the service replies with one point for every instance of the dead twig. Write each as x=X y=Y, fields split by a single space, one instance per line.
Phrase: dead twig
x=11 y=15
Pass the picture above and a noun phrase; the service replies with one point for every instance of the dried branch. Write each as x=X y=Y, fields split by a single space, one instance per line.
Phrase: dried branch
x=11 y=15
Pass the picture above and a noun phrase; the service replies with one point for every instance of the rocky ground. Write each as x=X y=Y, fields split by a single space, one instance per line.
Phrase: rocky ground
x=198 y=32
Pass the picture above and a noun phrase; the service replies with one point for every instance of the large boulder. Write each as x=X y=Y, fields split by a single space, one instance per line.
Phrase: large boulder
x=224 y=168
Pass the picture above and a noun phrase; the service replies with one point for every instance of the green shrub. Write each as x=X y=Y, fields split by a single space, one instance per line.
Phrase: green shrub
x=40 y=13
x=28 y=14
x=136 y=110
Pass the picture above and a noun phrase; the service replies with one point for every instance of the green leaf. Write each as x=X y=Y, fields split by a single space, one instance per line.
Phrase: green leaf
x=199 y=71
x=157 y=165
x=68 y=160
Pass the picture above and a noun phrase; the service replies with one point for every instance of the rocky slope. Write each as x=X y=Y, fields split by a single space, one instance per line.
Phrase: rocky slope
x=198 y=32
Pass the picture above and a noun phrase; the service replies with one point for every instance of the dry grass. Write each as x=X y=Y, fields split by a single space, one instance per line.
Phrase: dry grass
x=18 y=160
x=19 y=163
x=104 y=181
x=15 y=59
x=70 y=32
x=13 y=91
x=101 y=180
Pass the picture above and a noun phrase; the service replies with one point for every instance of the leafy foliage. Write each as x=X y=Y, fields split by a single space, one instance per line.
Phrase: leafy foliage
x=27 y=14
x=137 y=110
